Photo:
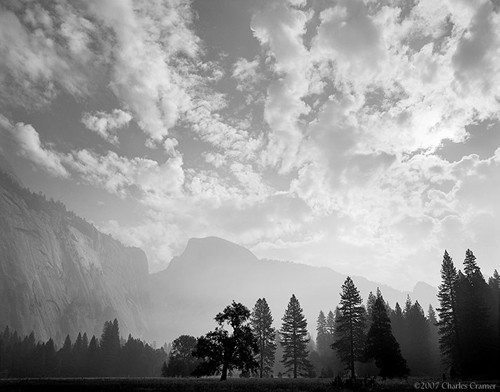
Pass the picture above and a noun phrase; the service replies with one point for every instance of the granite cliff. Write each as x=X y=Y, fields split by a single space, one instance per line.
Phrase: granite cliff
x=60 y=275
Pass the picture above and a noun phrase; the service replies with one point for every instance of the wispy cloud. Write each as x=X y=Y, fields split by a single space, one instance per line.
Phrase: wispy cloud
x=106 y=124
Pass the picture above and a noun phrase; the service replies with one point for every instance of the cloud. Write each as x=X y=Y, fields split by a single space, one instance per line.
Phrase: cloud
x=280 y=29
x=250 y=181
x=347 y=35
x=148 y=181
x=119 y=175
x=231 y=142
x=149 y=51
x=476 y=59
x=149 y=235
x=144 y=75
x=28 y=145
x=106 y=124
x=245 y=72
x=42 y=57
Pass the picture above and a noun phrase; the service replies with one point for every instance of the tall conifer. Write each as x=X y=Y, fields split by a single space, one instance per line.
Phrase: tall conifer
x=294 y=339
x=449 y=341
x=261 y=323
x=322 y=335
x=350 y=336
x=474 y=320
x=381 y=344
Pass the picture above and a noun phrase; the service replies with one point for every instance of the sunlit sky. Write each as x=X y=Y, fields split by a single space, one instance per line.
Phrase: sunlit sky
x=357 y=134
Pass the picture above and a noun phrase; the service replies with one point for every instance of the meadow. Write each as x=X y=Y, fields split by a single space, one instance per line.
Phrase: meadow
x=195 y=385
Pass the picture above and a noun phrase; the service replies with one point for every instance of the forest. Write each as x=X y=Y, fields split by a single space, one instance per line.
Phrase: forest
x=459 y=340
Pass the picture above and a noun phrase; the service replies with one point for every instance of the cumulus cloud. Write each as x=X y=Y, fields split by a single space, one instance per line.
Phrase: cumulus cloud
x=280 y=29
x=106 y=124
x=148 y=40
x=232 y=142
x=245 y=72
x=29 y=146
x=147 y=50
x=41 y=57
x=120 y=175
x=349 y=37
x=150 y=182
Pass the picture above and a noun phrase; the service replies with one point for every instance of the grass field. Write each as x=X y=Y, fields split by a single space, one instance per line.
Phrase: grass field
x=231 y=385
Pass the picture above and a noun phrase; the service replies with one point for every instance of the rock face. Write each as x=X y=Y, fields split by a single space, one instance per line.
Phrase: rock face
x=212 y=272
x=60 y=275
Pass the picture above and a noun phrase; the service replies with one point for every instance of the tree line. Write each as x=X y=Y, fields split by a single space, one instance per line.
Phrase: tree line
x=353 y=340
x=371 y=340
x=469 y=333
x=107 y=356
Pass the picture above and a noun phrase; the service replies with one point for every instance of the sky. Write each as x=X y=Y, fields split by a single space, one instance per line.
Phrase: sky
x=362 y=135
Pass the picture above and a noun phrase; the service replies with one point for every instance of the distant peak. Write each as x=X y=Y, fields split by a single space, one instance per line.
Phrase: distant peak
x=215 y=248
x=212 y=241
x=209 y=239
x=422 y=285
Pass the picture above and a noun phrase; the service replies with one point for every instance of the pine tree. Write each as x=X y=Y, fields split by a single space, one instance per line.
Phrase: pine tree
x=321 y=324
x=85 y=342
x=294 y=340
x=350 y=337
x=434 y=360
x=65 y=358
x=78 y=355
x=494 y=284
x=110 y=347
x=418 y=344
x=449 y=341
x=50 y=359
x=475 y=329
x=261 y=323
x=328 y=360
x=397 y=324
x=93 y=368
x=381 y=344
x=322 y=337
x=370 y=303
x=471 y=269
x=330 y=322
x=408 y=305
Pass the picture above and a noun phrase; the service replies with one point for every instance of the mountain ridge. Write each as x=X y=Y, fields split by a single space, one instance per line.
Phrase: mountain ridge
x=207 y=276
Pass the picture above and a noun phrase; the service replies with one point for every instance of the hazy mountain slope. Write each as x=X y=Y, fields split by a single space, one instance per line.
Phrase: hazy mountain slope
x=59 y=275
x=212 y=272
